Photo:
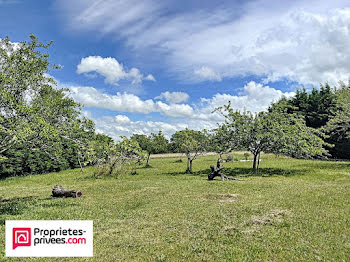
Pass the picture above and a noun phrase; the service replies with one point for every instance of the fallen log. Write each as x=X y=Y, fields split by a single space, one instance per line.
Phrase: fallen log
x=216 y=172
x=60 y=191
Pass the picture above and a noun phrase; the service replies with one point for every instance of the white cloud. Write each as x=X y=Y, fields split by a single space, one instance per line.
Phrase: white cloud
x=303 y=41
x=174 y=97
x=122 y=119
x=206 y=73
x=121 y=125
x=124 y=102
x=111 y=69
x=254 y=97
x=150 y=78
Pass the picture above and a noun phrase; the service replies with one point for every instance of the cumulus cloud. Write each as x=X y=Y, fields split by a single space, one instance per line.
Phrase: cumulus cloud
x=122 y=125
x=125 y=102
x=303 y=41
x=174 y=97
x=254 y=97
x=150 y=78
x=206 y=73
x=111 y=69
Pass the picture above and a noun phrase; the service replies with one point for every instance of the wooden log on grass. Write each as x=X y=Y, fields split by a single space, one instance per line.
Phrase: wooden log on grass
x=217 y=172
x=60 y=191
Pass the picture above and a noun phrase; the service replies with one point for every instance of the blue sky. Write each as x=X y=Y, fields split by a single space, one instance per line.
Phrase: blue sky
x=141 y=66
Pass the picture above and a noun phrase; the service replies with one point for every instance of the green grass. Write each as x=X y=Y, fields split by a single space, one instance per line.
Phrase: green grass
x=293 y=210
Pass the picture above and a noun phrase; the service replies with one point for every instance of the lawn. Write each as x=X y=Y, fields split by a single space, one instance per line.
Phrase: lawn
x=293 y=210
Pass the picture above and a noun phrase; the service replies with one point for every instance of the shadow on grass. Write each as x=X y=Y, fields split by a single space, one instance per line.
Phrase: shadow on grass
x=332 y=165
x=244 y=172
x=145 y=166
x=18 y=205
x=196 y=173
x=263 y=172
x=15 y=206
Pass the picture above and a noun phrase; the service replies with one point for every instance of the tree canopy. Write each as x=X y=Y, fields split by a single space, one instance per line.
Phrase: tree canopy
x=190 y=142
x=319 y=107
x=41 y=128
x=152 y=144
x=271 y=132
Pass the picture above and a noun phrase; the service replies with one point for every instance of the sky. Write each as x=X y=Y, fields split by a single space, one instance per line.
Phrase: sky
x=140 y=66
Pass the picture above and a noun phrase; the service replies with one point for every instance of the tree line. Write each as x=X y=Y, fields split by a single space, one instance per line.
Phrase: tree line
x=42 y=128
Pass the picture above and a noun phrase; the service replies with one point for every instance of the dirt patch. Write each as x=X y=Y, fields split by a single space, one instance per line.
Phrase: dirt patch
x=273 y=217
x=229 y=198
x=223 y=198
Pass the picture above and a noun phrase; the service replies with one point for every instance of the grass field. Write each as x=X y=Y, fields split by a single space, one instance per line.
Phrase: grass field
x=293 y=210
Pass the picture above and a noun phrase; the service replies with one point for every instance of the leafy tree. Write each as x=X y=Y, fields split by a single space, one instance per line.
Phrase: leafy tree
x=271 y=132
x=190 y=142
x=317 y=106
x=120 y=158
x=40 y=127
x=153 y=144
x=219 y=140
x=339 y=126
x=99 y=150
x=23 y=74
x=145 y=142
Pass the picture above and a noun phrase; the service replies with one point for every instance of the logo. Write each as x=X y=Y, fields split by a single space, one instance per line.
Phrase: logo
x=21 y=237
x=49 y=238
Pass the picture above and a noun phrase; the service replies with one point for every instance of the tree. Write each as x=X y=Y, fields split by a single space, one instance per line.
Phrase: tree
x=190 y=142
x=41 y=128
x=99 y=150
x=318 y=107
x=153 y=144
x=219 y=140
x=23 y=73
x=120 y=158
x=63 y=115
x=271 y=132
x=339 y=126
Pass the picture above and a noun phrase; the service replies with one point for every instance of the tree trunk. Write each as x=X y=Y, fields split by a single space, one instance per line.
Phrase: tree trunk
x=60 y=191
x=112 y=167
x=257 y=169
x=254 y=162
x=216 y=172
x=191 y=165
x=149 y=155
x=188 y=170
x=81 y=167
